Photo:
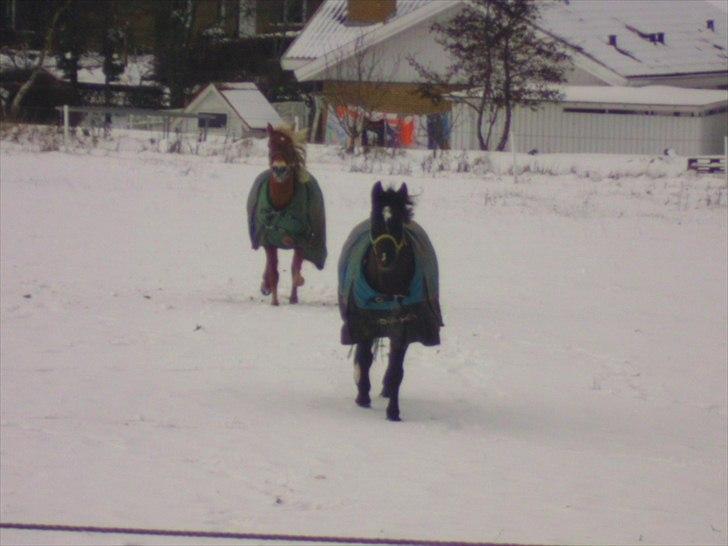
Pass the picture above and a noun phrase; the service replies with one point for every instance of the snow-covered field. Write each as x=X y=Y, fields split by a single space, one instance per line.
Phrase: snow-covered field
x=578 y=397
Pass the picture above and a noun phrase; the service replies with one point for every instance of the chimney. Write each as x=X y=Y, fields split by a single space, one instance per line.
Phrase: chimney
x=710 y=24
x=367 y=12
x=612 y=39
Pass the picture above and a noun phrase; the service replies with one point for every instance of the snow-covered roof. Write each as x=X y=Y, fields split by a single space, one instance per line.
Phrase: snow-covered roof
x=688 y=46
x=652 y=95
x=251 y=105
x=329 y=29
x=245 y=99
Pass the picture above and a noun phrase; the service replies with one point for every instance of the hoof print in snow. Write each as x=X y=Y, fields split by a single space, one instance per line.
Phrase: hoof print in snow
x=27 y=296
x=279 y=500
x=147 y=297
x=198 y=327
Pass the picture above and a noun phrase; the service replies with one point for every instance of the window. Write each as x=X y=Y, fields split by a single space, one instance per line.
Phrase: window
x=210 y=120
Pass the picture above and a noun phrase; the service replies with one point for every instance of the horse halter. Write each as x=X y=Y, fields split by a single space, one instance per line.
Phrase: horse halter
x=398 y=246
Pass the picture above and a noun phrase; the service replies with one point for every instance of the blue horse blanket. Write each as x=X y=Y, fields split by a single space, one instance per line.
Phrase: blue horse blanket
x=414 y=317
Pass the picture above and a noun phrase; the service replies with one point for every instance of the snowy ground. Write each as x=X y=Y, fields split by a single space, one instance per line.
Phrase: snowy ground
x=578 y=397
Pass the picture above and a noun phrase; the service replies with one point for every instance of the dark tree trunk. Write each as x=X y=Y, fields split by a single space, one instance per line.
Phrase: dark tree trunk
x=481 y=110
x=20 y=95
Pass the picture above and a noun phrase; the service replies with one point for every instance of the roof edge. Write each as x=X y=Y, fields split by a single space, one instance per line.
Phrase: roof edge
x=309 y=70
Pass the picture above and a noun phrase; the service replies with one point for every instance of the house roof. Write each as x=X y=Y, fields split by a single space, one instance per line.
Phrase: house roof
x=328 y=30
x=245 y=100
x=689 y=46
x=649 y=95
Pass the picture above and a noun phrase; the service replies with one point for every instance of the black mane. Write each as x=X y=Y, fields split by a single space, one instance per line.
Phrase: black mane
x=404 y=203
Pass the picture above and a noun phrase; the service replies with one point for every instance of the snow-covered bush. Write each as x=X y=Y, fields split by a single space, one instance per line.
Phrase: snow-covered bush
x=384 y=161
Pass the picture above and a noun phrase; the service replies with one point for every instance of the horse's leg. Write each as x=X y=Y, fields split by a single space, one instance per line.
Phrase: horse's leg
x=270 y=277
x=296 y=277
x=362 y=362
x=393 y=377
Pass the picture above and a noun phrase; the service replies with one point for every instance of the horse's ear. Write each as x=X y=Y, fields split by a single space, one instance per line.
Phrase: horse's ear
x=403 y=190
x=377 y=190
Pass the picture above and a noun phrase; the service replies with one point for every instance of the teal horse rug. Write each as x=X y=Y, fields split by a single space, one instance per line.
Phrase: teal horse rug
x=412 y=317
x=303 y=221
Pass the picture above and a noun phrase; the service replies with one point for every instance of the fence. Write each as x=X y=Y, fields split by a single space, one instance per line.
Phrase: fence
x=162 y=121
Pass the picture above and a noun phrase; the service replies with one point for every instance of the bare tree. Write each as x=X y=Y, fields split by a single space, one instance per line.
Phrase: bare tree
x=358 y=89
x=500 y=59
x=18 y=100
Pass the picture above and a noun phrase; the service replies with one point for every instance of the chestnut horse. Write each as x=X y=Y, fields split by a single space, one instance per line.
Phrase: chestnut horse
x=286 y=211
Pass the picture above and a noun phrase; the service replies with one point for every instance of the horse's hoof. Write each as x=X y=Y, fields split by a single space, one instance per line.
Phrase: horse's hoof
x=274 y=302
x=363 y=401
x=293 y=300
x=264 y=289
x=393 y=412
x=298 y=280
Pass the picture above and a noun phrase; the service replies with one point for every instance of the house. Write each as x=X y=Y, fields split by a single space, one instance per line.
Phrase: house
x=611 y=119
x=233 y=109
x=257 y=17
x=21 y=20
x=613 y=43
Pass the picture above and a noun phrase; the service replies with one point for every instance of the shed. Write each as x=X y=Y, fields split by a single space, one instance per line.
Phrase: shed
x=619 y=120
x=238 y=109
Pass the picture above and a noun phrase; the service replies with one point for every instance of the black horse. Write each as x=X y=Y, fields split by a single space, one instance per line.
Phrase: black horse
x=388 y=287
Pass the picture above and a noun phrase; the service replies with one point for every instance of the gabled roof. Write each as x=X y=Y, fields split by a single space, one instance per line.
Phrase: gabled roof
x=328 y=31
x=245 y=100
x=689 y=46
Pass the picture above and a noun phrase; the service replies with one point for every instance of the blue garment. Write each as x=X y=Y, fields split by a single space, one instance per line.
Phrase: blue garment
x=368 y=298
x=414 y=316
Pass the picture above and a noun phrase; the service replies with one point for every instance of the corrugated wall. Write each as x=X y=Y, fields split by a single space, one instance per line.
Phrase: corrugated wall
x=551 y=129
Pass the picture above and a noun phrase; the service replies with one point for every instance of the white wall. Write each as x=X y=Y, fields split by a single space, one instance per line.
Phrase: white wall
x=389 y=58
x=212 y=103
x=294 y=113
x=551 y=130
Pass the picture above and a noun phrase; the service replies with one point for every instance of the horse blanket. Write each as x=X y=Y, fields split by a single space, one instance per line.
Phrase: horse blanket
x=412 y=317
x=303 y=220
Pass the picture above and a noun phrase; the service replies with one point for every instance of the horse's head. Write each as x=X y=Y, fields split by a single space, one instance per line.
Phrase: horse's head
x=286 y=152
x=391 y=210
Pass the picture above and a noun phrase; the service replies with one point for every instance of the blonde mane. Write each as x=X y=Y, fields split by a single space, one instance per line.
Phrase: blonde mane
x=296 y=153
